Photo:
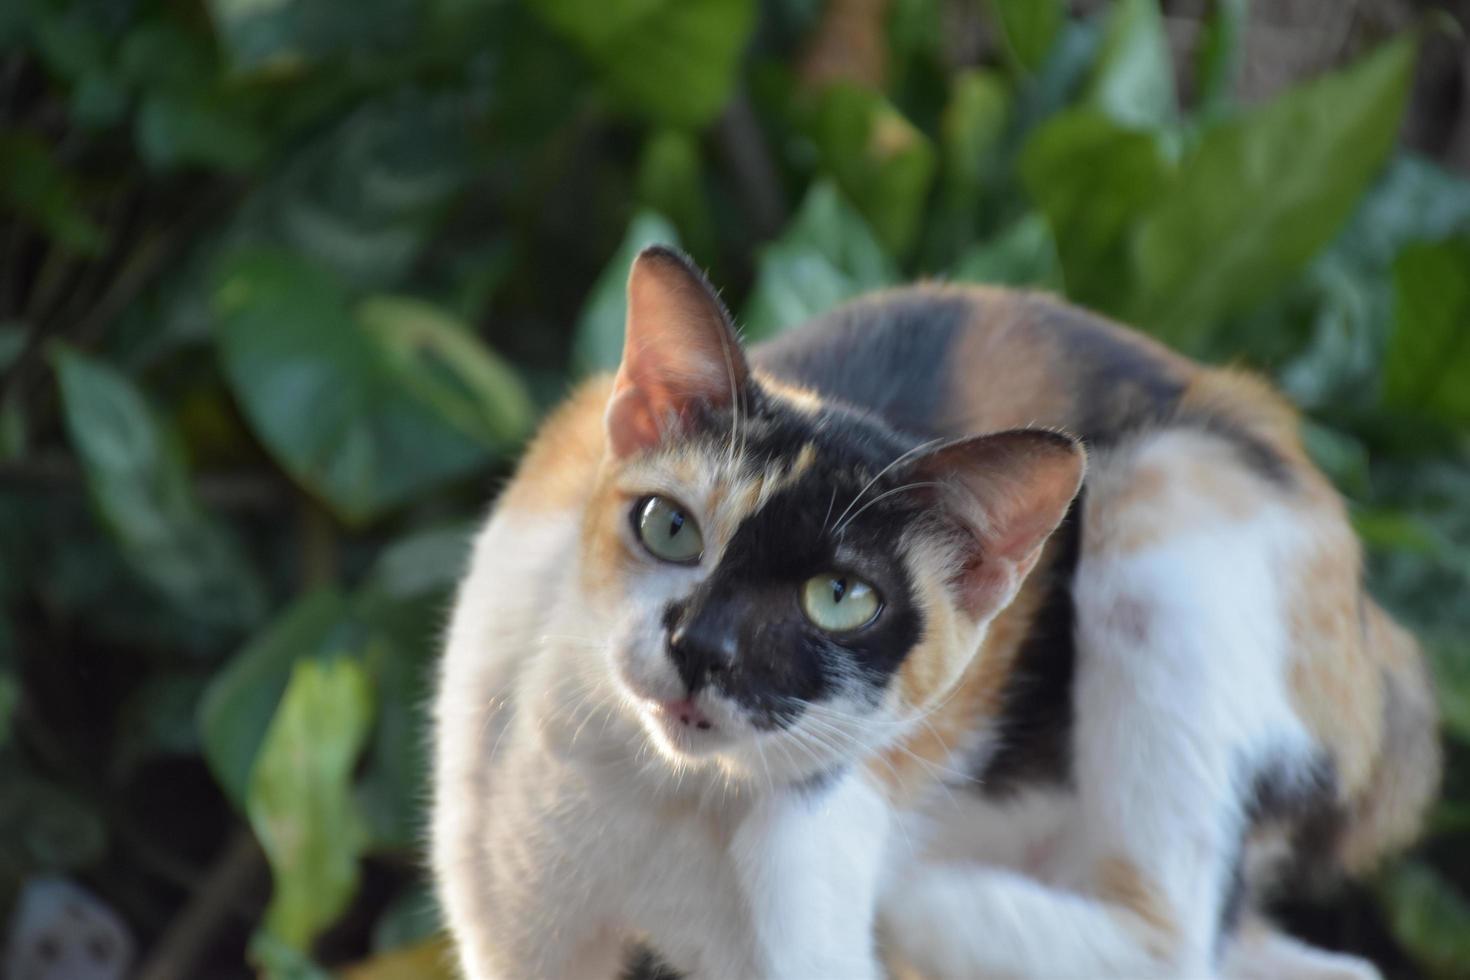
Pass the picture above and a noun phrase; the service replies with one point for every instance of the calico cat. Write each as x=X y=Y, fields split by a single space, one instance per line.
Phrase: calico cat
x=958 y=633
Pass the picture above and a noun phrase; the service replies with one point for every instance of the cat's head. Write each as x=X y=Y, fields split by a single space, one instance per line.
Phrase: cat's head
x=788 y=582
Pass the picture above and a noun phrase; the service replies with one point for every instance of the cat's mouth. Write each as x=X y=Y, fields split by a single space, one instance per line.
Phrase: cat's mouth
x=685 y=711
x=683 y=726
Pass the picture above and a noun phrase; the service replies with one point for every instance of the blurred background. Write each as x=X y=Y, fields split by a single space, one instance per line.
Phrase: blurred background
x=284 y=284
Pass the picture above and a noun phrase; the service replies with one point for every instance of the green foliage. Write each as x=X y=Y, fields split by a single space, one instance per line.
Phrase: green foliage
x=1029 y=28
x=882 y=163
x=1134 y=78
x=284 y=288
x=1430 y=917
x=671 y=59
x=365 y=414
x=1260 y=195
x=136 y=472
x=300 y=801
x=1094 y=211
x=1429 y=355
x=236 y=712
x=826 y=255
x=35 y=187
x=598 y=342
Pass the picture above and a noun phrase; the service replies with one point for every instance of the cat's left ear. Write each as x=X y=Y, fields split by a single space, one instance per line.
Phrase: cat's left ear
x=1007 y=492
x=679 y=352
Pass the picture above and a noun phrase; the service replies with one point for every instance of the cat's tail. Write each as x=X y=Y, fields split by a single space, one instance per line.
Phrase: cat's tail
x=1387 y=812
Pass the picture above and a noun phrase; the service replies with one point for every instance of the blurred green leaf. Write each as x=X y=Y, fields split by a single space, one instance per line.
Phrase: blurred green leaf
x=428 y=959
x=974 y=120
x=413 y=918
x=1427 y=366
x=973 y=128
x=323 y=394
x=438 y=358
x=427 y=562
x=394 y=786
x=674 y=60
x=1450 y=659
x=275 y=959
x=98 y=101
x=825 y=256
x=162 y=54
x=138 y=482
x=282 y=37
x=300 y=800
x=12 y=342
x=44 y=827
x=1262 y=193
x=1391 y=530
x=670 y=182
x=180 y=129
x=1092 y=178
x=1221 y=46
x=882 y=163
x=1022 y=255
x=35 y=187
x=159 y=717
x=9 y=699
x=1028 y=28
x=1133 y=82
x=70 y=39
x=237 y=708
x=1341 y=457
x=597 y=344
x=1415 y=200
x=1429 y=916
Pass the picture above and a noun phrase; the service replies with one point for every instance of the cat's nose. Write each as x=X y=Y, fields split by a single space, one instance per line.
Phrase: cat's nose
x=701 y=649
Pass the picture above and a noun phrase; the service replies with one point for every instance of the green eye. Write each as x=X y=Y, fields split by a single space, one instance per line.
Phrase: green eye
x=838 y=603
x=667 y=532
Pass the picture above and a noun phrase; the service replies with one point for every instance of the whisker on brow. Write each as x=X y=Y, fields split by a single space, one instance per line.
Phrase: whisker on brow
x=921 y=447
x=887 y=493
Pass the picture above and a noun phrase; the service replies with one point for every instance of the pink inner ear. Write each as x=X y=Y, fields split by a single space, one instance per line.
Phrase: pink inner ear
x=679 y=351
x=1010 y=491
x=632 y=424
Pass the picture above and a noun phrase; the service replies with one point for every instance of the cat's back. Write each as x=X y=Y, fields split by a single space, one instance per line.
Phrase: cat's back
x=955 y=360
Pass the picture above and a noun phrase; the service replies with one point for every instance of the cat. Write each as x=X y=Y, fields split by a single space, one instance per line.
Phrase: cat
x=957 y=633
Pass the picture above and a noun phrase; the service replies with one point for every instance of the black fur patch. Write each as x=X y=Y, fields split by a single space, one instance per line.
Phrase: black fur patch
x=1034 y=730
x=1257 y=455
x=1232 y=910
x=642 y=963
x=889 y=355
x=1121 y=387
x=1304 y=799
x=742 y=630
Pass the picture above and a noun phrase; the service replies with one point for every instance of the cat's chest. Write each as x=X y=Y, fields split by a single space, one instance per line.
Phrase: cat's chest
x=666 y=869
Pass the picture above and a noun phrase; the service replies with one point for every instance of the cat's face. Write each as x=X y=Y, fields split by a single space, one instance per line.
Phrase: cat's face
x=767 y=588
x=789 y=584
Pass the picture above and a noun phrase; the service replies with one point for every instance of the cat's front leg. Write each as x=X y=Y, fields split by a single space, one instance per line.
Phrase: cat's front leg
x=808 y=861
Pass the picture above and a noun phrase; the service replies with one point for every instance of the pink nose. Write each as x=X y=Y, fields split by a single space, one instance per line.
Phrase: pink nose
x=687 y=712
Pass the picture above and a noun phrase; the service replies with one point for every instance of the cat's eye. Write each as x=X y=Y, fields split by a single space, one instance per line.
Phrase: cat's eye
x=839 y=603
x=667 y=531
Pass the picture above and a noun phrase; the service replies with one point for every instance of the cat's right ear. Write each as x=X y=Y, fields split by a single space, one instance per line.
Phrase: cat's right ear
x=1007 y=491
x=680 y=352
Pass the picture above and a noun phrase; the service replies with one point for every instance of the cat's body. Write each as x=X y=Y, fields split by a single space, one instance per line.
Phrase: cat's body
x=1073 y=754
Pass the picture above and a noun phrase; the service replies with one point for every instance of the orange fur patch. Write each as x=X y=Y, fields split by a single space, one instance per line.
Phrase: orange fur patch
x=561 y=464
x=1177 y=480
x=954 y=709
x=1121 y=883
x=797 y=397
x=1335 y=683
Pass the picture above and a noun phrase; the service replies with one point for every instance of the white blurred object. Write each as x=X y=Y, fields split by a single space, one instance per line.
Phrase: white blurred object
x=61 y=931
